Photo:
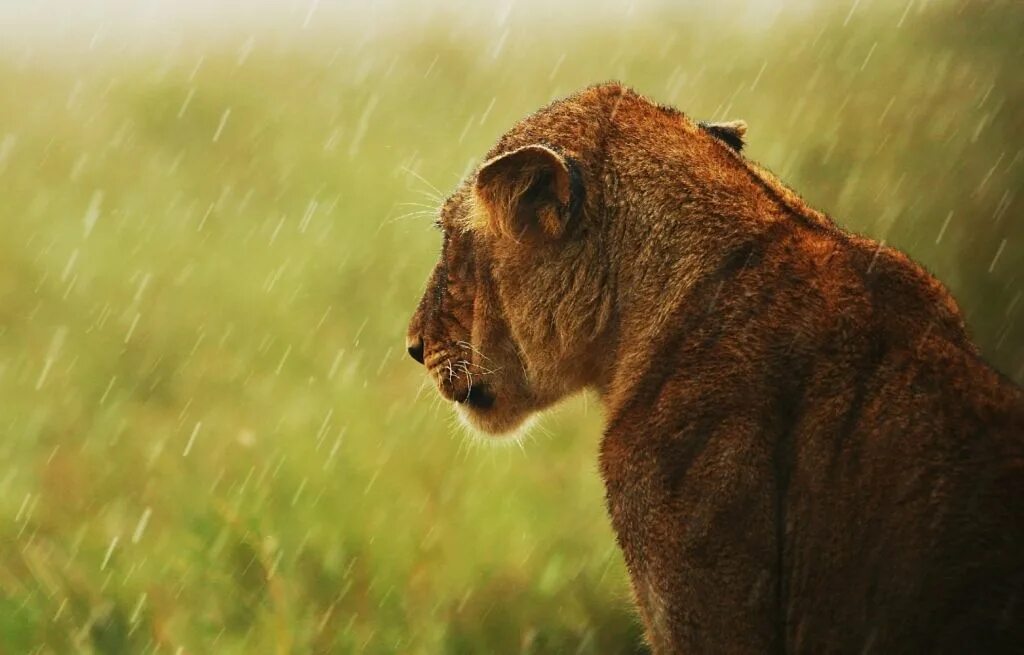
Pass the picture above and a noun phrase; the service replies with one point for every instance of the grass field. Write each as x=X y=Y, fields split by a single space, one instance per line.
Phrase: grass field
x=210 y=438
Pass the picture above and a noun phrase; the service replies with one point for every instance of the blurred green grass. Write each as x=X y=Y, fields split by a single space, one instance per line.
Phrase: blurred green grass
x=210 y=438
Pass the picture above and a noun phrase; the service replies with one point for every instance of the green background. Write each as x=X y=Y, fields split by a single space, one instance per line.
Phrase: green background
x=211 y=240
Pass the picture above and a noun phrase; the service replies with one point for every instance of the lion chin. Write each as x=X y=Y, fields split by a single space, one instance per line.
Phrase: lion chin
x=495 y=428
x=494 y=418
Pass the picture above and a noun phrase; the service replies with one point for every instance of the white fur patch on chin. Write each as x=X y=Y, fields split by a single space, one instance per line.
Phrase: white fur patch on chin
x=511 y=438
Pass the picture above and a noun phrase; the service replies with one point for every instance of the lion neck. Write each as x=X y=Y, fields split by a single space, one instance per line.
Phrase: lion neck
x=668 y=234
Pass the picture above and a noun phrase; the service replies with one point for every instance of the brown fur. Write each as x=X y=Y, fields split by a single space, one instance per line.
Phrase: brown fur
x=804 y=451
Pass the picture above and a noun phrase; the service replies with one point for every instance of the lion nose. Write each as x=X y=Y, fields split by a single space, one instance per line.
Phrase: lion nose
x=415 y=348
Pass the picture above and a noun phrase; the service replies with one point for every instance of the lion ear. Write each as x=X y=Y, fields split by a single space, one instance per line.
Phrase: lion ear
x=731 y=132
x=526 y=193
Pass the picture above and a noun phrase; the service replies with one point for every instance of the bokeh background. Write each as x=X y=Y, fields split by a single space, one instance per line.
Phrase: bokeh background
x=215 y=222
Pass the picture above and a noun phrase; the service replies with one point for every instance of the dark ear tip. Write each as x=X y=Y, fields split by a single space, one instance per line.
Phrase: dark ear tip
x=731 y=132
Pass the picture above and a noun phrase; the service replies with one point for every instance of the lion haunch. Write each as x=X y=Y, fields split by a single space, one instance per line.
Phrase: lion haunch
x=804 y=451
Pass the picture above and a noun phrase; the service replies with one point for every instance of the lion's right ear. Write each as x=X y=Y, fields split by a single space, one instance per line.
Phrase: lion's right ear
x=527 y=193
x=731 y=132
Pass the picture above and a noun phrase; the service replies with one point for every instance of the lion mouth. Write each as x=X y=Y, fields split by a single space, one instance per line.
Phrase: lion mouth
x=462 y=389
x=479 y=396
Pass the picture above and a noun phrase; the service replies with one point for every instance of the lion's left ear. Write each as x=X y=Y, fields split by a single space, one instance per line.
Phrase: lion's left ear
x=731 y=132
x=527 y=193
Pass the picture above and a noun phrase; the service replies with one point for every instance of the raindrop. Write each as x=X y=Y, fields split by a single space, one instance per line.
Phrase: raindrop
x=69 y=266
x=273 y=235
x=309 y=13
x=206 y=215
x=245 y=50
x=138 y=609
x=853 y=8
x=881 y=244
x=21 y=510
x=483 y=117
x=92 y=213
x=868 y=57
x=905 y=12
x=141 y=526
x=307 y=216
x=192 y=439
x=195 y=70
x=187 y=102
x=143 y=283
x=334 y=449
x=757 y=78
x=334 y=364
x=220 y=126
x=52 y=353
x=110 y=551
x=298 y=492
x=106 y=392
x=60 y=609
x=364 y=122
x=945 y=224
x=131 y=328
x=284 y=358
x=999 y=251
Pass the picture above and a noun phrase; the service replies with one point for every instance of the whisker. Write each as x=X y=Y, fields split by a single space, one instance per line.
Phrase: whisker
x=419 y=213
x=469 y=346
x=485 y=371
x=433 y=200
x=419 y=392
x=480 y=368
x=424 y=180
x=539 y=427
x=431 y=207
x=464 y=365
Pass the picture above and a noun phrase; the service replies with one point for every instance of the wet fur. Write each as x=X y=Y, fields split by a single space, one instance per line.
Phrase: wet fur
x=804 y=451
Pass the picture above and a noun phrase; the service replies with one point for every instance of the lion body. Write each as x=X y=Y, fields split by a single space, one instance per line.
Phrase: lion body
x=825 y=467
x=804 y=450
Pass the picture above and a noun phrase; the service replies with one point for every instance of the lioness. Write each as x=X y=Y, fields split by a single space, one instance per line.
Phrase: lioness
x=804 y=452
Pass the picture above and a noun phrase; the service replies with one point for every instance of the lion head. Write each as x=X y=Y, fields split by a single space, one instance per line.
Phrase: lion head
x=520 y=310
